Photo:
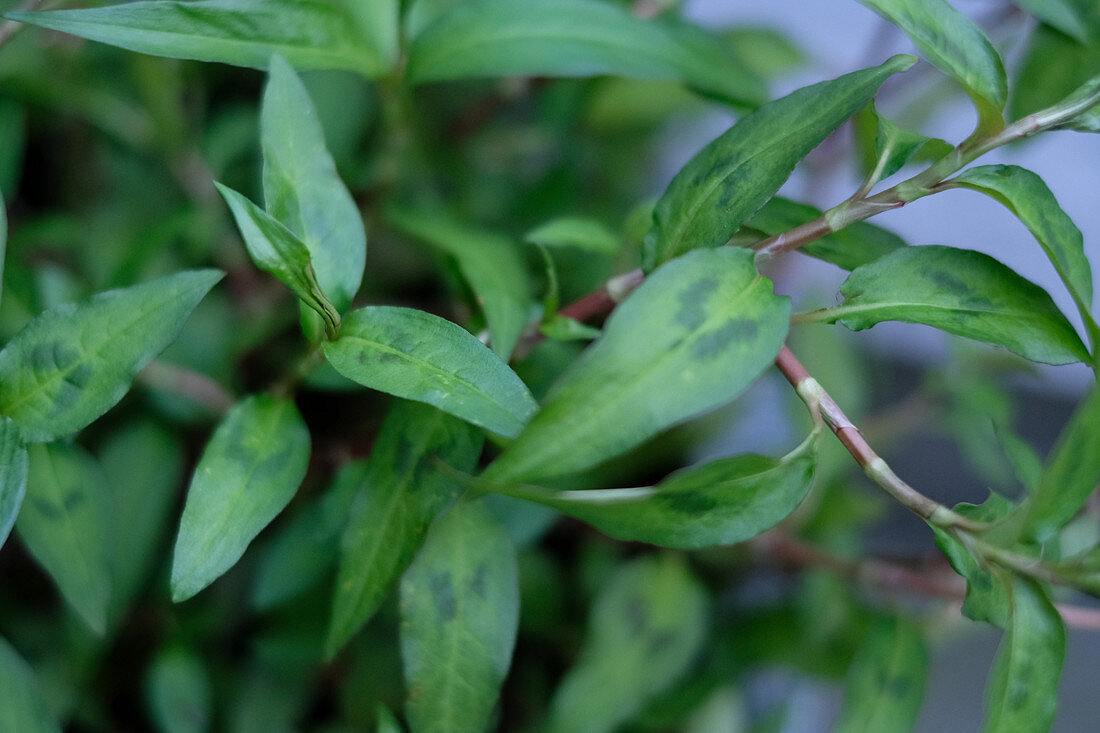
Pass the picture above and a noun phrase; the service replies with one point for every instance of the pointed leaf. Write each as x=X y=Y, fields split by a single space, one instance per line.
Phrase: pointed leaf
x=728 y=180
x=646 y=626
x=249 y=471
x=13 y=475
x=490 y=263
x=412 y=354
x=689 y=339
x=403 y=490
x=588 y=235
x=986 y=598
x=22 y=707
x=179 y=692
x=67 y=525
x=74 y=362
x=962 y=292
x=955 y=44
x=574 y=38
x=885 y=683
x=894 y=147
x=311 y=34
x=459 y=615
x=719 y=503
x=302 y=189
x=1022 y=688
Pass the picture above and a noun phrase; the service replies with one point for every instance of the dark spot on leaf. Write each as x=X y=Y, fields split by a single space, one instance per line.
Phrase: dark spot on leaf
x=661 y=642
x=73 y=500
x=947 y=282
x=637 y=616
x=691 y=503
x=479 y=582
x=714 y=342
x=692 y=312
x=80 y=376
x=46 y=508
x=442 y=589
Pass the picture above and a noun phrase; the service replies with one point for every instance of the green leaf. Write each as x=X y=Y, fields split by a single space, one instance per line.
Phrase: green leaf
x=1022 y=689
x=489 y=262
x=3 y=239
x=563 y=328
x=179 y=692
x=1065 y=15
x=1054 y=67
x=379 y=24
x=74 y=362
x=856 y=244
x=957 y=46
x=962 y=292
x=729 y=179
x=459 y=615
x=1027 y=196
x=412 y=354
x=894 y=147
x=986 y=599
x=1071 y=474
x=484 y=38
x=302 y=189
x=13 y=475
x=689 y=339
x=277 y=250
x=249 y=471
x=719 y=503
x=587 y=235
x=404 y=489
x=647 y=625
x=311 y=34
x=22 y=707
x=67 y=525
x=885 y=683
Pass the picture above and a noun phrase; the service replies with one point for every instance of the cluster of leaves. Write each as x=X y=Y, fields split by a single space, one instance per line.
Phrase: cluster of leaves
x=500 y=417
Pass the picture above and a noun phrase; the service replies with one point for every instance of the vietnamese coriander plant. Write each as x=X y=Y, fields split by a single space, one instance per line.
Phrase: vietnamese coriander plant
x=452 y=481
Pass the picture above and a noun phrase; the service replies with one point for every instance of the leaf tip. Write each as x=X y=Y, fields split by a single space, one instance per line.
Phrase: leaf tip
x=901 y=62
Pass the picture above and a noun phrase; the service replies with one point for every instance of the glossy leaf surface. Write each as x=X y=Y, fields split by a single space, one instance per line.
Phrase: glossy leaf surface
x=459 y=615
x=74 y=362
x=405 y=487
x=963 y=292
x=729 y=179
x=415 y=355
x=13 y=475
x=22 y=707
x=885 y=683
x=689 y=339
x=249 y=470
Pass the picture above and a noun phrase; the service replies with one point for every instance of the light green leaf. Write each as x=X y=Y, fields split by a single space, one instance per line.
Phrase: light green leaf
x=490 y=263
x=855 y=245
x=484 y=38
x=302 y=189
x=647 y=625
x=67 y=525
x=728 y=180
x=13 y=475
x=311 y=34
x=1065 y=15
x=459 y=615
x=249 y=471
x=179 y=692
x=885 y=684
x=412 y=354
x=378 y=23
x=962 y=292
x=277 y=250
x=986 y=598
x=719 y=503
x=957 y=46
x=1022 y=690
x=22 y=707
x=74 y=362
x=689 y=339
x=386 y=722
x=1027 y=196
x=404 y=489
x=587 y=235
x=894 y=147
x=563 y=328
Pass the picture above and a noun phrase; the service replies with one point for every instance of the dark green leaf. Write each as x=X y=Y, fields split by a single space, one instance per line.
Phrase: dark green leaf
x=459 y=615
x=1089 y=120
x=986 y=599
x=588 y=235
x=67 y=525
x=885 y=684
x=73 y=363
x=485 y=38
x=732 y=177
x=1054 y=66
x=22 y=707
x=1065 y=15
x=647 y=624
x=3 y=239
x=13 y=475
x=179 y=692
x=302 y=189
x=311 y=34
x=857 y=244
x=689 y=339
x=955 y=44
x=418 y=356
x=386 y=722
x=404 y=489
x=718 y=503
x=962 y=292
x=490 y=263
x=1022 y=691
x=250 y=469
x=894 y=147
